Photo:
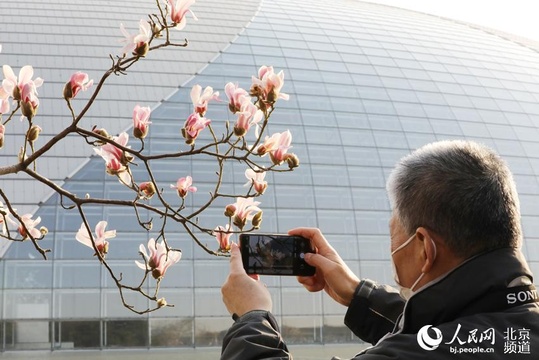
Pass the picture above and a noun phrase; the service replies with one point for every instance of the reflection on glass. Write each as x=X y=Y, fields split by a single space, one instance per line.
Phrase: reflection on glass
x=171 y=332
x=77 y=334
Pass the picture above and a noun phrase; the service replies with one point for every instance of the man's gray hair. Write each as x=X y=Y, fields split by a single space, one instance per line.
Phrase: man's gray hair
x=462 y=191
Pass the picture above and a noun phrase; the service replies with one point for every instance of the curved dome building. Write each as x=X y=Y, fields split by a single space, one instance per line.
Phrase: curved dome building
x=368 y=83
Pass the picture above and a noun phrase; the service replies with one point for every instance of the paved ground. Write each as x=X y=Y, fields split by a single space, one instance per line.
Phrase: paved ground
x=302 y=352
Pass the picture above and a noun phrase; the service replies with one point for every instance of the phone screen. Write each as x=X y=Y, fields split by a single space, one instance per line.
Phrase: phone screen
x=270 y=254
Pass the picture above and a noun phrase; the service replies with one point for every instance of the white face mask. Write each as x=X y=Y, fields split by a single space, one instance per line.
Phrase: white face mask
x=405 y=292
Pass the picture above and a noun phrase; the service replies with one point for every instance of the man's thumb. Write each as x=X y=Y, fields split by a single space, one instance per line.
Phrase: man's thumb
x=318 y=261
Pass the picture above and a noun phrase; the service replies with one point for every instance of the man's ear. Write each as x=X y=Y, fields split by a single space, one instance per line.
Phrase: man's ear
x=429 y=248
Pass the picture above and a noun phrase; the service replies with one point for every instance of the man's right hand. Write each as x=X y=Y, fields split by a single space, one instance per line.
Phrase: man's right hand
x=332 y=274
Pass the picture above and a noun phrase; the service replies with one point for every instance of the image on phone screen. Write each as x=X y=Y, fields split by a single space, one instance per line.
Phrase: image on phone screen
x=269 y=254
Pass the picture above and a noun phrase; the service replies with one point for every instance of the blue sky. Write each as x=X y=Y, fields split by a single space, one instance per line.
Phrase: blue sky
x=519 y=17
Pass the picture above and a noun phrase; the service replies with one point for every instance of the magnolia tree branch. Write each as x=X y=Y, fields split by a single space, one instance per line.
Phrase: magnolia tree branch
x=252 y=108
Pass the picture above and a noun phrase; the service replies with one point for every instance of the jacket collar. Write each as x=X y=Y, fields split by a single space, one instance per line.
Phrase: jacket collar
x=464 y=289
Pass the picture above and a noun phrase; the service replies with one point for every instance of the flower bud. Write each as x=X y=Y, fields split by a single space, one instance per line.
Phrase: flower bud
x=239 y=222
x=103 y=133
x=147 y=188
x=43 y=230
x=161 y=302
x=68 y=91
x=257 y=220
x=33 y=133
x=141 y=49
x=239 y=131
x=140 y=133
x=261 y=150
x=230 y=210
x=28 y=109
x=292 y=160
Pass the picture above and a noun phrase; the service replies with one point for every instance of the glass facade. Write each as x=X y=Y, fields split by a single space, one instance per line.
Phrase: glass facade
x=367 y=85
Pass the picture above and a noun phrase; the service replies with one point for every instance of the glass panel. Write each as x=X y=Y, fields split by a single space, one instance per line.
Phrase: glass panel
x=334 y=331
x=77 y=274
x=301 y=329
x=28 y=304
x=126 y=333
x=77 y=335
x=28 y=335
x=171 y=332
x=77 y=304
x=210 y=331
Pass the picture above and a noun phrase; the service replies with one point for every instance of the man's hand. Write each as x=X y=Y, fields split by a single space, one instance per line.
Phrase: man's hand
x=241 y=292
x=332 y=274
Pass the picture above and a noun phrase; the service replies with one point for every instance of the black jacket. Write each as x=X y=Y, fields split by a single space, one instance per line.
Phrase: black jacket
x=469 y=313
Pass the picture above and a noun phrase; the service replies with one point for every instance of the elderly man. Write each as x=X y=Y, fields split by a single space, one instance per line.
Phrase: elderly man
x=465 y=287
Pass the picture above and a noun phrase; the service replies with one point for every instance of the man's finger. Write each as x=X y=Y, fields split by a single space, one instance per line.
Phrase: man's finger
x=316 y=237
x=236 y=265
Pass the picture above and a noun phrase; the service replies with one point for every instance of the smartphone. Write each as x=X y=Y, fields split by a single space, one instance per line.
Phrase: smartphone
x=275 y=254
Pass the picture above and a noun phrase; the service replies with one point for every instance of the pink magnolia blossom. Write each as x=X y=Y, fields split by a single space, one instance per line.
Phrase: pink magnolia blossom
x=183 y=186
x=248 y=116
x=245 y=207
x=268 y=85
x=278 y=155
x=270 y=144
x=200 y=99
x=100 y=237
x=236 y=96
x=4 y=101
x=14 y=86
x=141 y=121
x=159 y=259
x=256 y=179
x=277 y=146
x=178 y=10
x=223 y=234
x=137 y=44
x=78 y=81
x=115 y=158
x=29 y=101
x=193 y=126
x=30 y=225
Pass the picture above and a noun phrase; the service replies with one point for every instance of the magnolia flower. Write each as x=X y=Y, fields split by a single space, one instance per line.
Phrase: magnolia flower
x=270 y=144
x=178 y=10
x=159 y=259
x=277 y=145
x=200 y=99
x=236 y=96
x=4 y=101
x=245 y=207
x=248 y=116
x=223 y=234
x=183 y=186
x=29 y=101
x=256 y=179
x=100 y=238
x=279 y=154
x=137 y=44
x=14 y=86
x=78 y=81
x=141 y=117
x=30 y=225
x=115 y=158
x=193 y=126
x=267 y=86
